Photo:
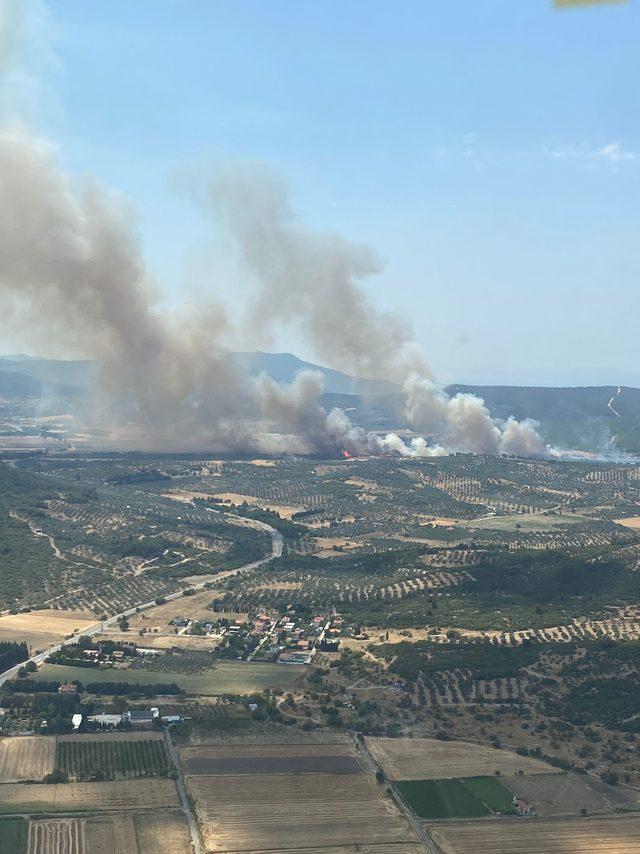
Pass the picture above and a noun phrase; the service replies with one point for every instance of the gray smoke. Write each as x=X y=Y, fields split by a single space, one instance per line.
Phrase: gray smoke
x=71 y=270
x=309 y=279
x=300 y=423
x=314 y=281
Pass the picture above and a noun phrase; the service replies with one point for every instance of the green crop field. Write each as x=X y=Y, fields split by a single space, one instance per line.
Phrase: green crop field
x=227 y=678
x=112 y=759
x=13 y=836
x=442 y=799
x=492 y=793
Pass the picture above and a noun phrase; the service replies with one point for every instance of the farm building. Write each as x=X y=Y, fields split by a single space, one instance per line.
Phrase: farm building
x=141 y=717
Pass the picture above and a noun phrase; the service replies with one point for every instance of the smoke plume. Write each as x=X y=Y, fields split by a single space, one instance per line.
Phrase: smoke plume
x=314 y=281
x=71 y=270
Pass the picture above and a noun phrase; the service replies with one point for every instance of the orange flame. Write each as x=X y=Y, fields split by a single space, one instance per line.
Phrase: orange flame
x=345 y=454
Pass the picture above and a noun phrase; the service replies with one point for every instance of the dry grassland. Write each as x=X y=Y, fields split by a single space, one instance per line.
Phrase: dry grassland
x=629 y=522
x=114 y=834
x=567 y=794
x=325 y=546
x=26 y=758
x=276 y=812
x=77 y=797
x=286 y=511
x=165 y=832
x=431 y=759
x=42 y=629
x=573 y=836
x=58 y=836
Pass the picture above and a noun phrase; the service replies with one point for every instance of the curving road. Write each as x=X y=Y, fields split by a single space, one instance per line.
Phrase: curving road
x=276 y=551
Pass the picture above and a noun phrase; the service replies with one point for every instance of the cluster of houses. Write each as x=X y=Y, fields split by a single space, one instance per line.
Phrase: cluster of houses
x=290 y=639
x=285 y=638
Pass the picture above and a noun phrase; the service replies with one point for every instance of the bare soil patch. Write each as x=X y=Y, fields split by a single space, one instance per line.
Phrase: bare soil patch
x=258 y=759
x=431 y=759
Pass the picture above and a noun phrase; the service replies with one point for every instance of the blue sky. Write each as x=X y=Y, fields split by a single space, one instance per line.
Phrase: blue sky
x=489 y=151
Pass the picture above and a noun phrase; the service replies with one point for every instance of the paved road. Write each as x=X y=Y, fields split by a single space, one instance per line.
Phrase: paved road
x=276 y=551
x=186 y=806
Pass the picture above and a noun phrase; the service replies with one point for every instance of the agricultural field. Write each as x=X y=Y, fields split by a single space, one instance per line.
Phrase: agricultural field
x=613 y=835
x=568 y=794
x=258 y=797
x=33 y=798
x=42 y=629
x=26 y=758
x=472 y=797
x=431 y=759
x=13 y=836
x=112 y=758
x=142 y=833
x=57 y=836
x=442 y=799
x=225 y=678
x=250 y=812
x=270 y=759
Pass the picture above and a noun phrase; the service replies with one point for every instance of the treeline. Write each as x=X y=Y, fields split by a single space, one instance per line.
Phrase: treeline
x=116 y=689
x=12 y=653
x=122 y=689
x=484 y=660
x=545 y=577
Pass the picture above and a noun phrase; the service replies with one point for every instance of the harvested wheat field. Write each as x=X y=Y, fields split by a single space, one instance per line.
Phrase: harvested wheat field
x=114 y=834
x=32 y=798
x=166 y=832
x=281 y=812
x=42 y=629
x=572 y=836
x=431 y=759
x=163 y=832
x=26 y=758
x=58 y=836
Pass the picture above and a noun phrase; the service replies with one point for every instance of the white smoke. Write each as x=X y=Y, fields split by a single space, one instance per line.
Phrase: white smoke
x=314 y=281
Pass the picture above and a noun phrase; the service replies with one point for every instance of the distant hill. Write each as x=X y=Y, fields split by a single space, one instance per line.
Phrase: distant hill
x=283 y=367
x=545 y=403
x=78 y=374
x=571 y=417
